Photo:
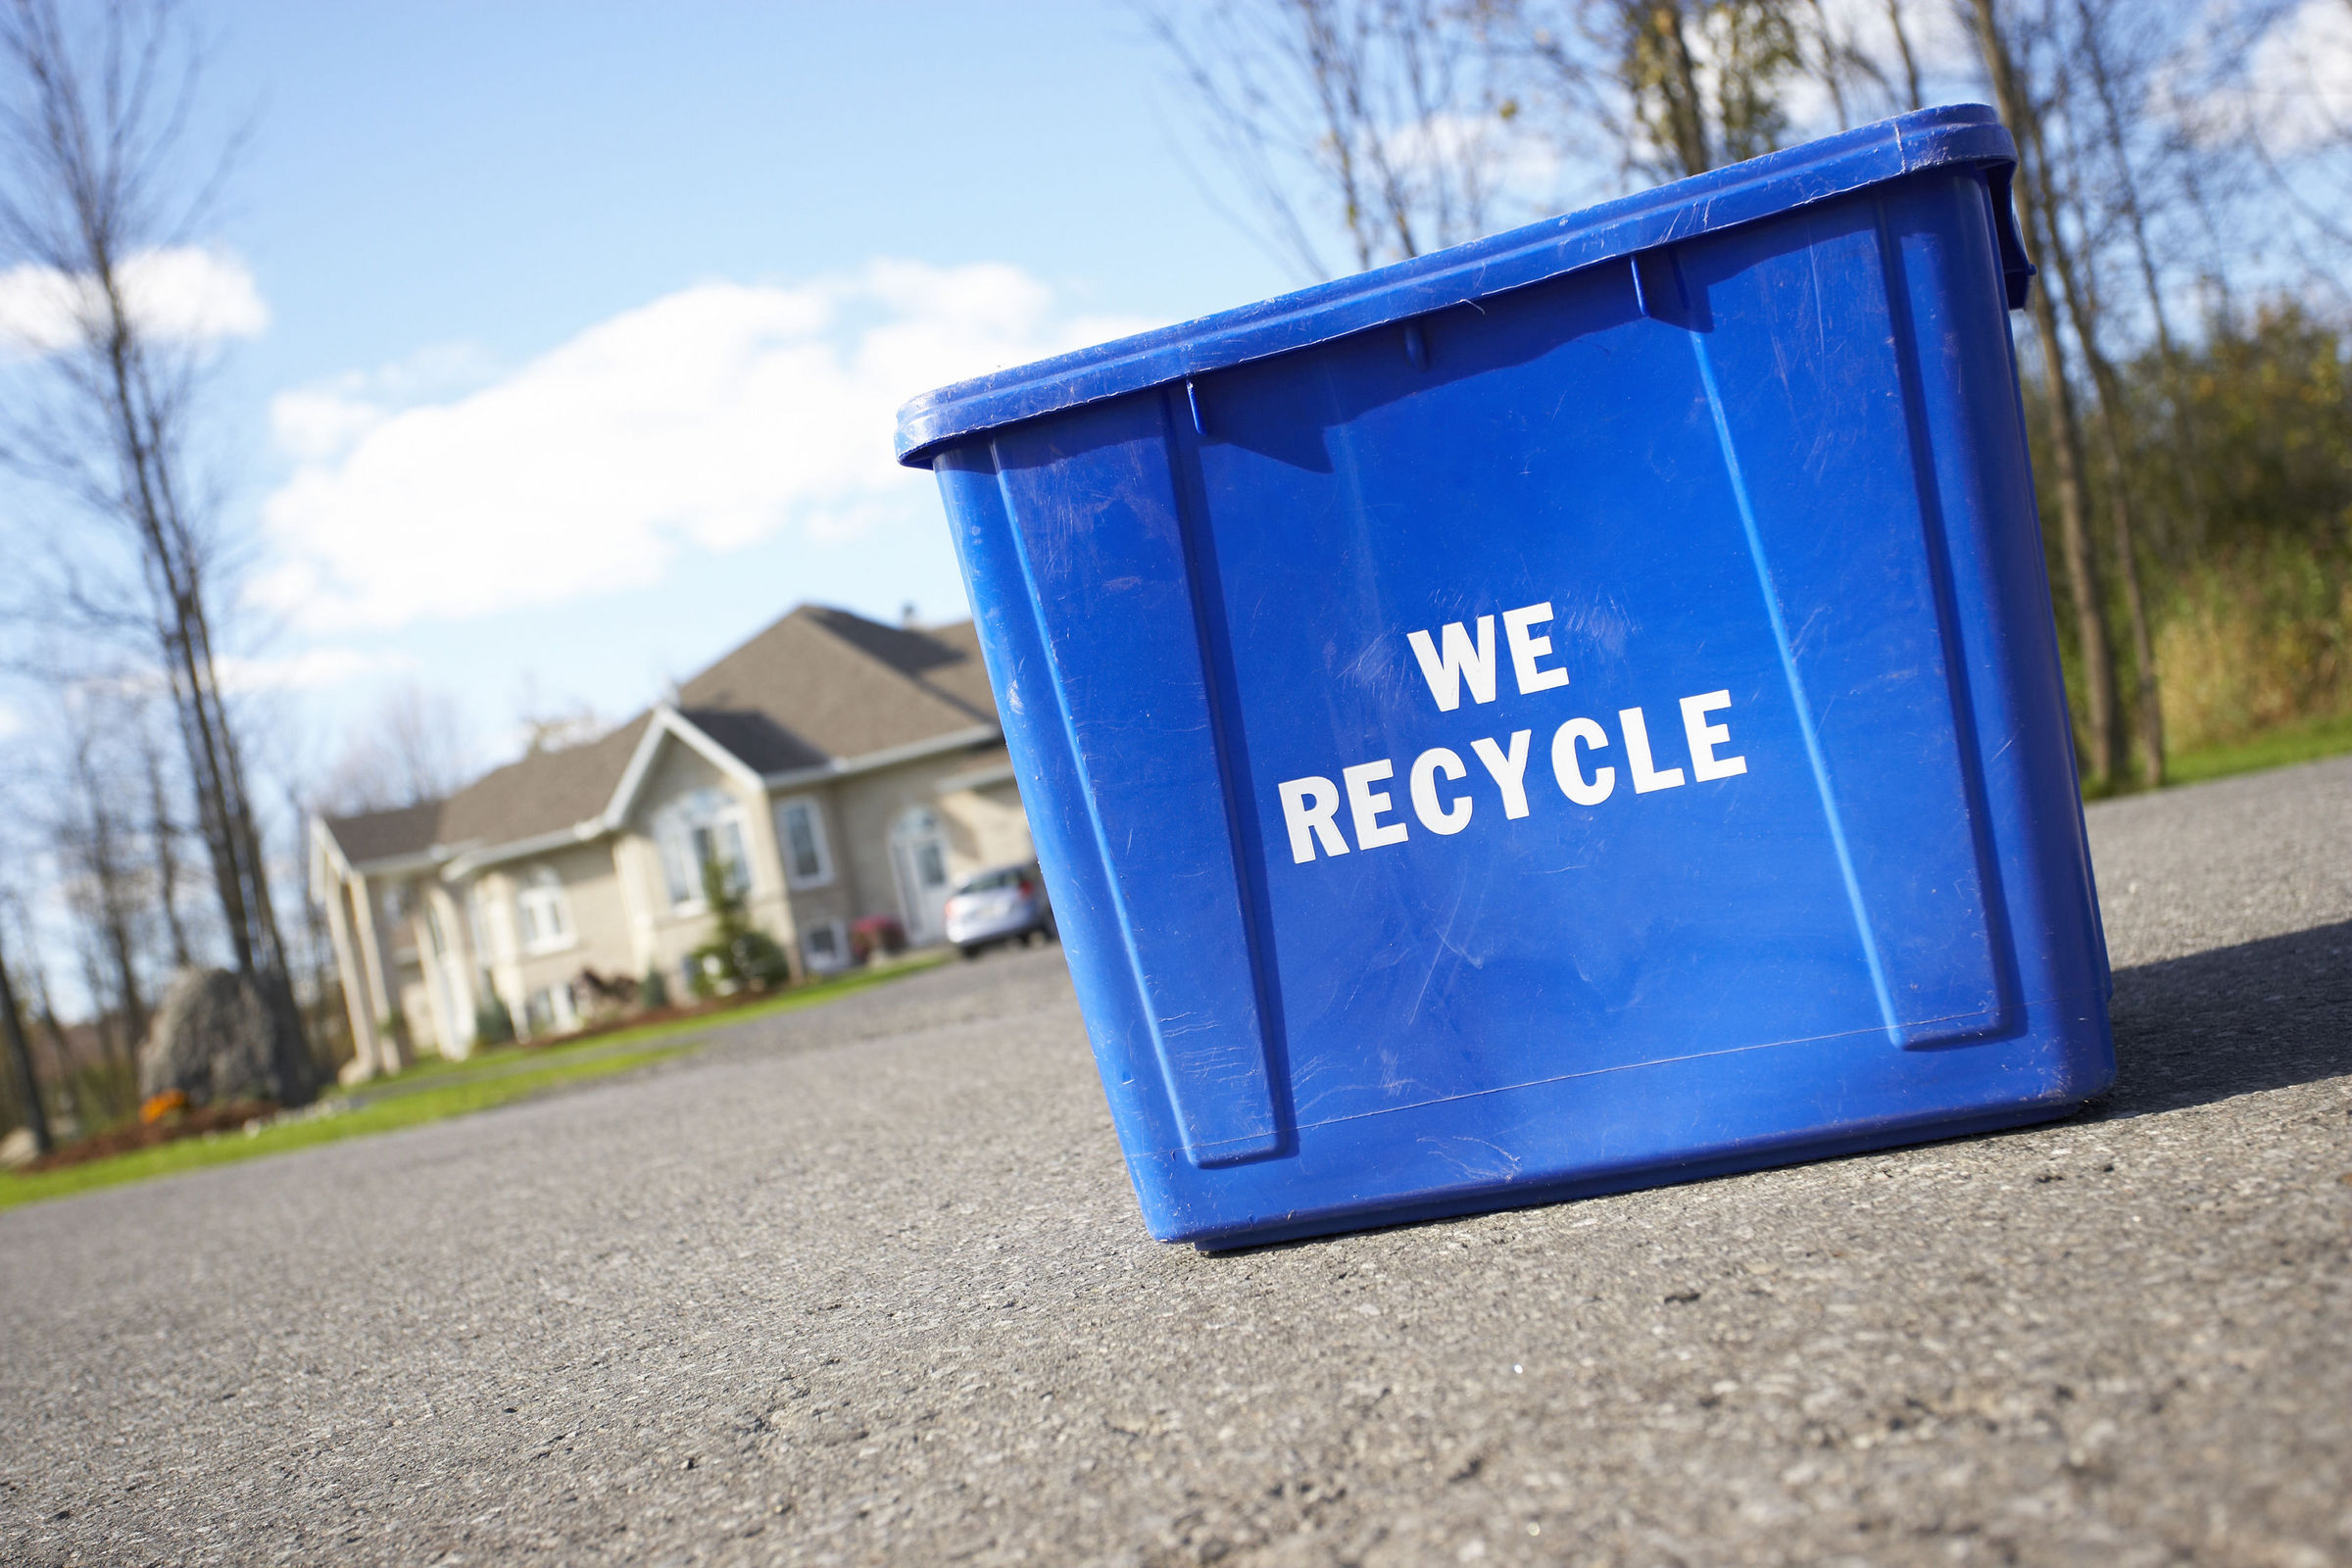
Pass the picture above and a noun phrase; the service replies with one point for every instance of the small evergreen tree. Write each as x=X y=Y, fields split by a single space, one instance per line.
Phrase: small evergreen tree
x=738 y=952
x=493 y=1020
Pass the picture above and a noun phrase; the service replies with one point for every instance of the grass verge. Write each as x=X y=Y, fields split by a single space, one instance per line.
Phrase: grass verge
x=2277 y=747
x=436 y=1090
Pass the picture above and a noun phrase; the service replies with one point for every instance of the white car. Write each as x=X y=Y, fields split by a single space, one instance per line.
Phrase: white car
x=1003 y=904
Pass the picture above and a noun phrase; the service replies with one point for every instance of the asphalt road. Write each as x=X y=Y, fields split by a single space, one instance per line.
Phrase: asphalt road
x=865 y=1284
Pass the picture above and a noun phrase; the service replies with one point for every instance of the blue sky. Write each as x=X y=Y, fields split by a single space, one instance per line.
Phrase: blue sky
x=564 y=338
x=502 y=248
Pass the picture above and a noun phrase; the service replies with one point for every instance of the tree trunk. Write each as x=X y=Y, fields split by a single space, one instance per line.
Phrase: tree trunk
x=1912 y=98
x=2084 y=309
x=164 y=834
x=2185 y=436
x=95 y=840
x=2147 y=706
x=20 y=1056
x=1662 y=53
x=2081 y=562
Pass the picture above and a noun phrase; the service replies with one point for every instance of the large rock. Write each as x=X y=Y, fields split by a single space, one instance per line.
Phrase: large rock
x=212 y=1040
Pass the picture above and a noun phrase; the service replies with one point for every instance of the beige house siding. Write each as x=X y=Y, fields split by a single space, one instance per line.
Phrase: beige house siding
x=986 y=826
x=874 y=803
x=877 y=722
x=837 y=899
x=593 y=914
x=418 y=1013
x=669 y=933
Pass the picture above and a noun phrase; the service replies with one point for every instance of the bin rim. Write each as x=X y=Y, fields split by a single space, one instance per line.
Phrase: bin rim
x=1966 y=135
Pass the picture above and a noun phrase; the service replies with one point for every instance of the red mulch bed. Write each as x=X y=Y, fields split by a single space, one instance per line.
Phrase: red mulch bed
x=148 y=1135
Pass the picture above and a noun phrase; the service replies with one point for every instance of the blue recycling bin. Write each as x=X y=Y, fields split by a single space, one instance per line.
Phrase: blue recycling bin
x=1575 y=712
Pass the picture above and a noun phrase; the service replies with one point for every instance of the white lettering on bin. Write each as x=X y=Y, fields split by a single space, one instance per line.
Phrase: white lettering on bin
x=1307 y=805
x=1444 y=820
x=1636 y=754
x=1526 y=649
x=1310 y=805
x=1366 y=803
x=1706 y=737
x=1570 y=772
x=1509 y=769
x=1462 y=663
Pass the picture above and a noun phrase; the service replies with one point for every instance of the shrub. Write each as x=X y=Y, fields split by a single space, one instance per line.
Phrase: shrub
x=493 y=1020
x=877 y=933
x=654 y=993
x=2258 y=638
x=738 y=954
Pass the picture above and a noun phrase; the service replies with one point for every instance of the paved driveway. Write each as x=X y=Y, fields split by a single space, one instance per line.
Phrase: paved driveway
x=866 y=1284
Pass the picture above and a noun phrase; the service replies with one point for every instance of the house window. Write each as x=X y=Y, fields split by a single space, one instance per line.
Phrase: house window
x=800 y=835
x=703 y=828
x=550 y=1011
x=822 y=947
x=542 y=914
x=477 y=925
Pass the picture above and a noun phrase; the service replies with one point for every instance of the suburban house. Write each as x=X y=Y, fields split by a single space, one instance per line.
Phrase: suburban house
x=832 y=767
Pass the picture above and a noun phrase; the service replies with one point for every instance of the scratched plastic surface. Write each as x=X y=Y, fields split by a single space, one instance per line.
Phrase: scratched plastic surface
x=1571 y=713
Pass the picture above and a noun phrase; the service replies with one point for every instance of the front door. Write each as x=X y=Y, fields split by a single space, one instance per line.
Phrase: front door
x=918 y=854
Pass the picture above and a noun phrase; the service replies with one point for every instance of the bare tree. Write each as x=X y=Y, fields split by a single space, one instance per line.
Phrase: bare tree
x=2063 y=209
x=95 y=851
x=94 y=112
x=411 y=749
x=2098 y=22
x=20 y=1059
x=1682 y=86
x=314 y=950
x=1383 y=113
x=163 y=842
x=1898 y=27
x=1999 y=43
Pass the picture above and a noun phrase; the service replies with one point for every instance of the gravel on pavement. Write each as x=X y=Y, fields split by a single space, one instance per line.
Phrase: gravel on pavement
x=865 y=1284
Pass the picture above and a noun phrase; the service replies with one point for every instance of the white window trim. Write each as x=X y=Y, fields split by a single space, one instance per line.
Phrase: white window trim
x=493 y=941
x=546 y=885
x=816 y=833
x=840 y=948
x=562 y=1012
x=674 y=820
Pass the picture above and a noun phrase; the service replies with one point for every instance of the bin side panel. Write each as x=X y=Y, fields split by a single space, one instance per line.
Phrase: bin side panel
x=1095 y=521
x=1947 y=260
x=1827 y=451
x=1085 y=909
x=1554 y=448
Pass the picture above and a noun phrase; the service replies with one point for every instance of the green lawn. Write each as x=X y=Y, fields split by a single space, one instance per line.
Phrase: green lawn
x=2277 y=747
x=435 y=1089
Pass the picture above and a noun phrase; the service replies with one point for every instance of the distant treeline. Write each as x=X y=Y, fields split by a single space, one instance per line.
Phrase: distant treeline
x=2185 y=186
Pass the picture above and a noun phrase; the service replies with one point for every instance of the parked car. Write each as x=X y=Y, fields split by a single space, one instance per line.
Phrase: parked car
x=1003 y=904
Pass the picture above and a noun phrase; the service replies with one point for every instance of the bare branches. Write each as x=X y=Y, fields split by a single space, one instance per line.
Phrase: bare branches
x=412 y=749
x=93 y=119
x=1379 y=119
x=1678 y=87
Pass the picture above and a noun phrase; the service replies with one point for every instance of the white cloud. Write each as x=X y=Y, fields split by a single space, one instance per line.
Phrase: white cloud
x=2299 y=79
x=321 y=422
x=12 y=722
x=311 y=669
x=181 y=292
x=715 y=416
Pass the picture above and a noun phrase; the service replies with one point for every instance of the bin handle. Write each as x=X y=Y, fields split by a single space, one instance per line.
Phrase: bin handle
x=2017 y=268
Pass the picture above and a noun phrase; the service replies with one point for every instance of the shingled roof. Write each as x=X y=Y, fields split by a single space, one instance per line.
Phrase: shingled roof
x=818 y=688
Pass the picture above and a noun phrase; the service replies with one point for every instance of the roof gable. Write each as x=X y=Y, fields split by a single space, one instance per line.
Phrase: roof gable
x=823 y=685
x=819 y=689
x=367 y=837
